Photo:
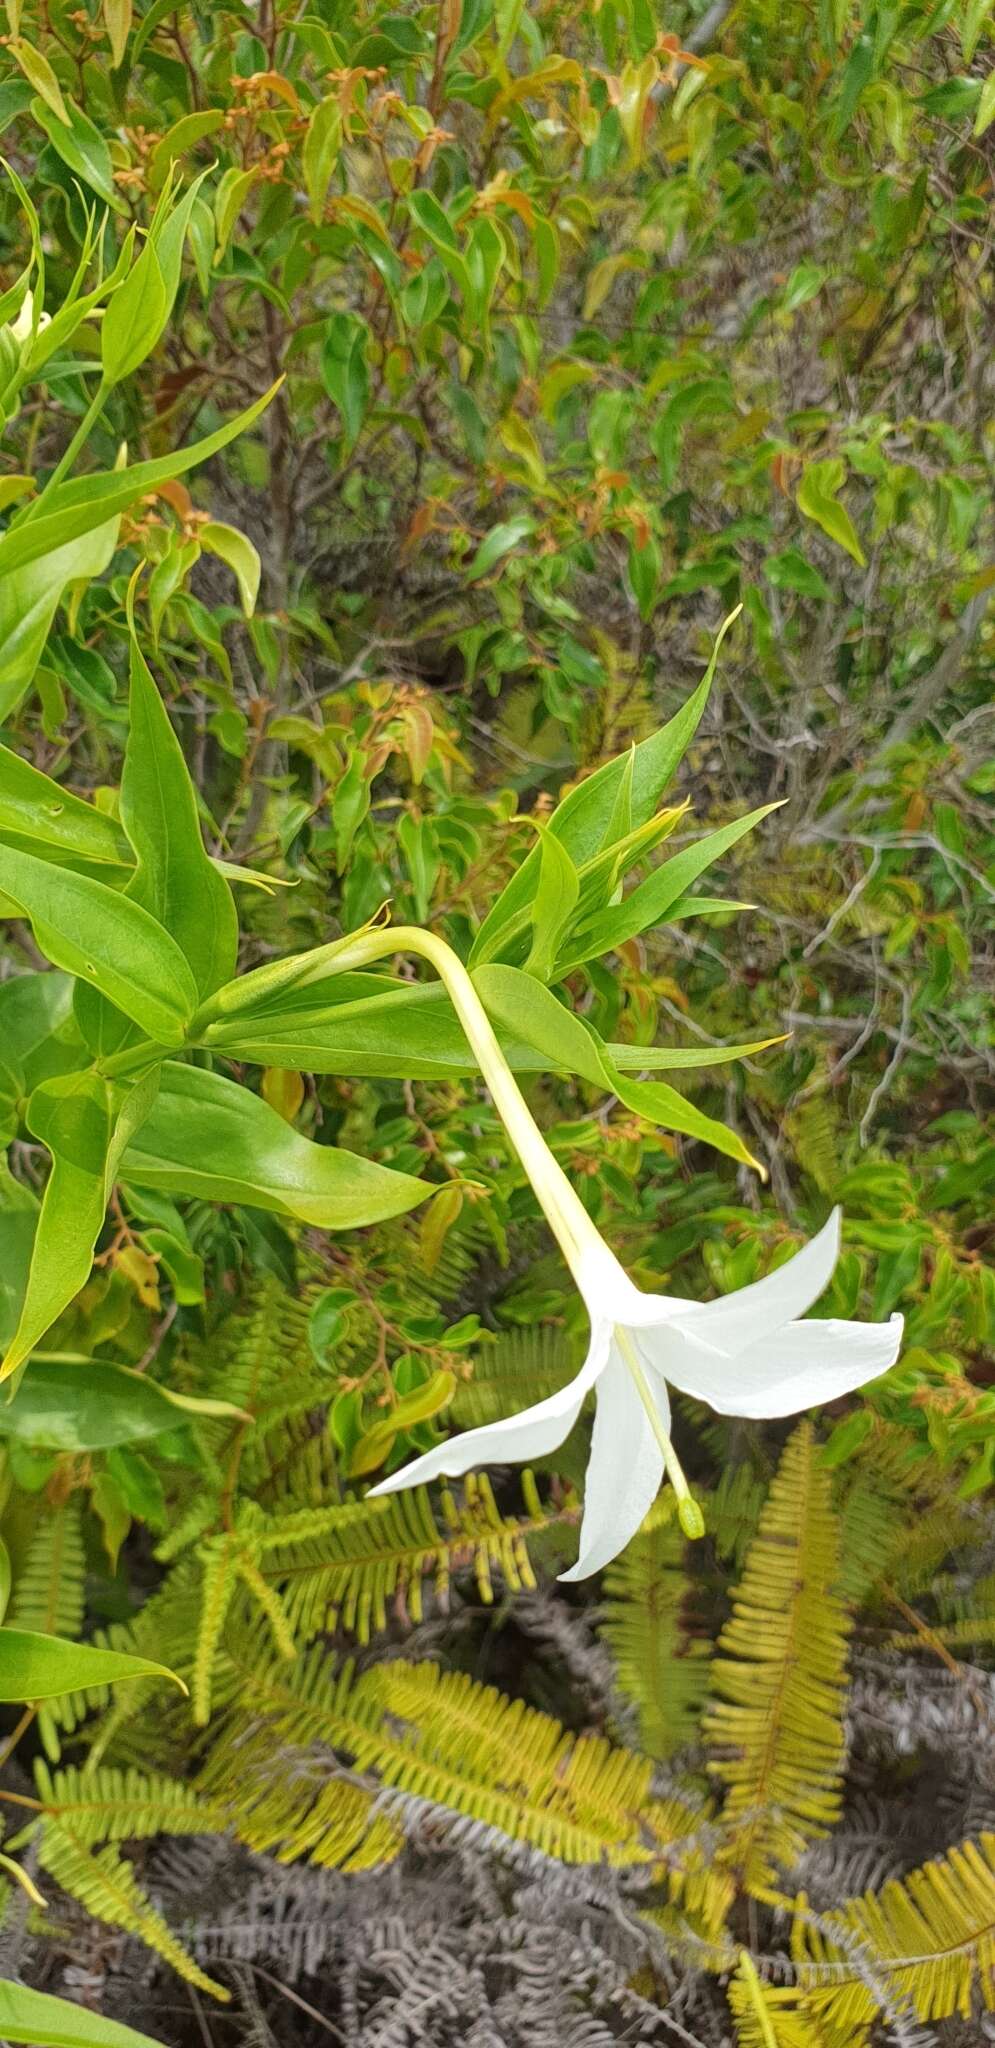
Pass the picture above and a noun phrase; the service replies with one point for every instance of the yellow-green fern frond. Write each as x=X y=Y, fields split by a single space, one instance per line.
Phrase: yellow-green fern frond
x=775 y=1723
x=48 y=1590
x=734 y=1511
x=900 y=1513
x=660 y=1665
x=107 y=1886
x=274 y=1768
x=165 y=1630
x=347 y=1566
x=220 y=1583
x=928 y=1938
x=444 y=1738
x=108 y=1805
x=767 y=2015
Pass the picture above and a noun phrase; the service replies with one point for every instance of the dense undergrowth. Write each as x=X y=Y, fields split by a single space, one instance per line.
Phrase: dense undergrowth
x=394 y=404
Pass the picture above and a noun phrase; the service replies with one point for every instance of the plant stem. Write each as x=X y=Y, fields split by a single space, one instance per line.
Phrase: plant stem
x=564 y=1211
x=66 y=460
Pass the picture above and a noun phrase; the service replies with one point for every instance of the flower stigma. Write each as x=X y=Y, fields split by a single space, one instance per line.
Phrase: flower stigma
x=689 y=1514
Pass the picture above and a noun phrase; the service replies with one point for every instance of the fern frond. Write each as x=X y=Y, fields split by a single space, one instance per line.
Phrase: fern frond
x=273 y=1767
x=107 y=1887
x=107 y=1805
x=48 y=1593
x=166 y=1630
x=661 y=1667
x=775 y=1727
x=813 y=1129
x=901 y=1515
x=346 y=1566
x=437 y=1737
x=520 y=1367
x=220 y=1557
x=767 y=2015
x=929 y=1937
x=734 y=1511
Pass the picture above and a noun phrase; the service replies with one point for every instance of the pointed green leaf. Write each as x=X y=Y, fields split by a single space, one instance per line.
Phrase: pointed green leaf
x=88 y=1404
x=209 y=1138
x=817 y=499
x=661 y=1104
x=242 y=558
x=174 y=878
x=41 y=2021
x=81 y=146
x=37 y=1667
x=344 y=371
x=105 y=939
x=648 y=904
x=499 y=542
x=554 y=905
x=85 y=1130
x=37 y=813
x=135 y=318
x=76 y=508
x=320 y=152
x=585 y=818
x=30 y=597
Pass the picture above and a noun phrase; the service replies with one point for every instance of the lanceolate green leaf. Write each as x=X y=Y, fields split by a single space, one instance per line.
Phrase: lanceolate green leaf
x=44 y=2022
x=648 y=904
x=30 y=597
x=36 y=812
x=359 y=1024
x=87 y=1404
x=174 y=878
x=76 y=508
x=37 y=1667
x=563 y=1040
x=82 y=148
x=208 y=1137
x=554 y=905
x=85 y=1129
x=110 y=942
x=584 y=819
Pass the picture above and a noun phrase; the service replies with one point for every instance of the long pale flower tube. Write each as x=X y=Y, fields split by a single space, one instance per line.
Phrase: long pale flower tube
x=745 y=1354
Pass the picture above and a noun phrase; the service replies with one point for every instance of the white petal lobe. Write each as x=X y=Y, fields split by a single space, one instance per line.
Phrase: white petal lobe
x=515 y=1439
x=624 y=1472
x=799 y=1367
x=734 y=1323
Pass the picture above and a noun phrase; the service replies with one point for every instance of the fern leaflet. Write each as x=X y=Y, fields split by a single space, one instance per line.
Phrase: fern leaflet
x=775 y=1725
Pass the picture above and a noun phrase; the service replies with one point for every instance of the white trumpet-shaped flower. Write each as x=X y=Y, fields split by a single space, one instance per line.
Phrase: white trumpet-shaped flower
x=746 y=1354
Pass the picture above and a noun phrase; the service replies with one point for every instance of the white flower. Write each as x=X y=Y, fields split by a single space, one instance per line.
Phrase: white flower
x=745 y=1354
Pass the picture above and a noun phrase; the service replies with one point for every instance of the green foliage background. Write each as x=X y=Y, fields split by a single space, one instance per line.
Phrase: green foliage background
x=582 y=327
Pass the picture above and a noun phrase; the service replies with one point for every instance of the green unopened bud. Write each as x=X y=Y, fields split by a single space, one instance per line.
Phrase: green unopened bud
x=691 y=1519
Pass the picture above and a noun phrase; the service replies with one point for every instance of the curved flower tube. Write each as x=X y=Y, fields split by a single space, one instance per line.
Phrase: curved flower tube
x=745 y=1354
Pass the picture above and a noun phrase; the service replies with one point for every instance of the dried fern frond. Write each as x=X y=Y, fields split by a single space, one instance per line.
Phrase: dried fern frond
x=774 y=1725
